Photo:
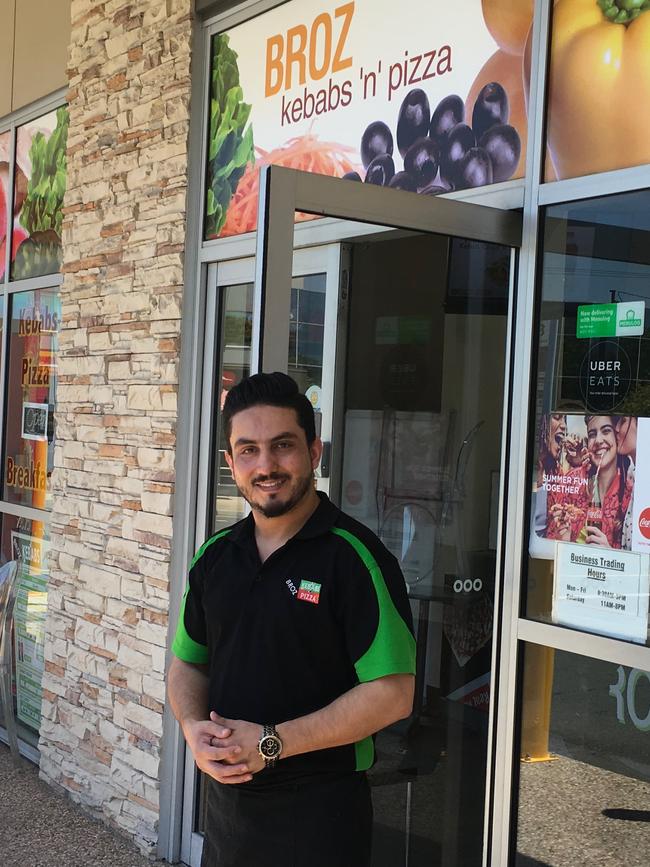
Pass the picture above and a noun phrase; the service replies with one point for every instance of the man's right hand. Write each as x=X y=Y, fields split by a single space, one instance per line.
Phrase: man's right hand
x=188 y=691
x=220 y=763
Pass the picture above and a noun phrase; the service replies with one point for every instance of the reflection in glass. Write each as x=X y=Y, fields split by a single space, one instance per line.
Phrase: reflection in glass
x=35 y=319
x=306 y=330
x=587 y=802
x=26 y=542
x=236 y=325
x=589 y=564
x=39 y=187
x=422 y=441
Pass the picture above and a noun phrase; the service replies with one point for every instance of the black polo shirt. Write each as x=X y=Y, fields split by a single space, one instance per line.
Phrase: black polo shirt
x=284 y=638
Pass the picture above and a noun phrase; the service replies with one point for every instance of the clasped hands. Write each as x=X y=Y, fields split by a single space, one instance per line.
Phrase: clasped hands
x=225 y=749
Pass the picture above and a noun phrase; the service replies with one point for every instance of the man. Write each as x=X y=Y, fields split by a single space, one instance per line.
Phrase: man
x=294 y=646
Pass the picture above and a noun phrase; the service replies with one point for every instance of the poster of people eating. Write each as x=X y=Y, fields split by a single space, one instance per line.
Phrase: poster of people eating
x=588 y=474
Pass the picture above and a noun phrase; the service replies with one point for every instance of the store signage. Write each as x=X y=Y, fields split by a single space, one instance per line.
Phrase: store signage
x=35 y=373
x=30 y=478
x=605 y=376
x=601 y=590
x=611 y=320
x=38 y=320
x=352 y=88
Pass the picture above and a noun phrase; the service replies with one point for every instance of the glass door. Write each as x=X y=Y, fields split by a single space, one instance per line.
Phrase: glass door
x=419 y=408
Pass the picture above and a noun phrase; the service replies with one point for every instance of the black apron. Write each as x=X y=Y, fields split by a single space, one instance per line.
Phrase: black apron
x=320 y=822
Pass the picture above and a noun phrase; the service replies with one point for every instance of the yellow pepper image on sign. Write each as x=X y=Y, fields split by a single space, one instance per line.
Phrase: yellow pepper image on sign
x=599 y=100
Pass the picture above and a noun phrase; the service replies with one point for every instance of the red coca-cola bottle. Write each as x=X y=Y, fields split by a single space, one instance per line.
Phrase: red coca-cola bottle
x=595 y=510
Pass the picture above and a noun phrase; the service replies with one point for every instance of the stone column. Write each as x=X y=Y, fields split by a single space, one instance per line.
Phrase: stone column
x=116 y=407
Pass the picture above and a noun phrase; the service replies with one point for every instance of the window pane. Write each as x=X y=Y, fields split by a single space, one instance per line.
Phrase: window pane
x=585 y=774
x=29 y=440
x=38 y=195
x=306 y=336
x=590 y=515
x=27 y=542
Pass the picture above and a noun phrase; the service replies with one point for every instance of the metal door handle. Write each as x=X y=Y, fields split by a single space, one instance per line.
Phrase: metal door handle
x=325 y=461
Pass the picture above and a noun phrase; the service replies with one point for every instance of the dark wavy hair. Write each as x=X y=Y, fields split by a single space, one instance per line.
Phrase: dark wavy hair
x=268 y=389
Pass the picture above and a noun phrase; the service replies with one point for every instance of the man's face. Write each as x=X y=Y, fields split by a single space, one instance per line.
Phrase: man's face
x=271 y=463
x=601 y=441
x=557 y=433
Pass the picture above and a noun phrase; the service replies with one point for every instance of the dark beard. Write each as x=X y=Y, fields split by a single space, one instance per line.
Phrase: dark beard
x=281 y=507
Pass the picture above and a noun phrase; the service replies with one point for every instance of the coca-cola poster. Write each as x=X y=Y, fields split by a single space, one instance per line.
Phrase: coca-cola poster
x=592 y=481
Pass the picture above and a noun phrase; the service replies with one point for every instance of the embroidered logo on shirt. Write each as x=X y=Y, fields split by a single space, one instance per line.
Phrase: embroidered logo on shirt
x=309 y=591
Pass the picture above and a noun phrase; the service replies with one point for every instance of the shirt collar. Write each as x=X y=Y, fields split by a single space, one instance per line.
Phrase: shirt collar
x=320 y=522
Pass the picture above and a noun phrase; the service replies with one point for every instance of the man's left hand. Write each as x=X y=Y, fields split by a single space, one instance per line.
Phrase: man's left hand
x=245 y=735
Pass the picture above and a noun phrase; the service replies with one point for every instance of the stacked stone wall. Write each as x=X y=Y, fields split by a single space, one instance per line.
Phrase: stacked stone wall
x=113 y=479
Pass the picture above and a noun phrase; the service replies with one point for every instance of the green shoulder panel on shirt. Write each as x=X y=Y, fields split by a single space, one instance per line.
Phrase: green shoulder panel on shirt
x=184 y=647
x=392 y=650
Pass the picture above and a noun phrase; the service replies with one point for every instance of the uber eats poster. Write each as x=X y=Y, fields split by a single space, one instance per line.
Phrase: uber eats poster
x=427 y=97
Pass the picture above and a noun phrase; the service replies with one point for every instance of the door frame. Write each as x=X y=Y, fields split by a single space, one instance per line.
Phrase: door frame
x=283 y=192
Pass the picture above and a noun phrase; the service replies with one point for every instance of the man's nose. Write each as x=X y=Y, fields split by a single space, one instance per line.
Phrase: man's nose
x=267 y=461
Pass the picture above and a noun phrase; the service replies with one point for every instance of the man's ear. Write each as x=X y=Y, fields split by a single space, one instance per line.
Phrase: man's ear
x=229 y=461
x=315 y=451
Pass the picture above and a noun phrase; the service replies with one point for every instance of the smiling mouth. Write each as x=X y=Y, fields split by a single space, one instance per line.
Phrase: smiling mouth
x=270 y=486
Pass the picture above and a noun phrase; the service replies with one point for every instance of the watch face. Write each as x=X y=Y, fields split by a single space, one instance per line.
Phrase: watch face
x=270 y=746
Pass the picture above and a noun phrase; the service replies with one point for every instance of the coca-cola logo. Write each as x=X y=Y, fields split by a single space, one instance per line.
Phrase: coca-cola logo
x=644 y=523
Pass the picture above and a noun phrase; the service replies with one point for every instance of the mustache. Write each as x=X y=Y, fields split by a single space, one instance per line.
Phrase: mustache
x=271 y=477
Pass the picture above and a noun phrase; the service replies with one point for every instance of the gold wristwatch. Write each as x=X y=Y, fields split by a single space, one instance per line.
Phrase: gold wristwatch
x=270 y=746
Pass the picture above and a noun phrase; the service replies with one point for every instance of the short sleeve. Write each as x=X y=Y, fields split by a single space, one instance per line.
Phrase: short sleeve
x=375 y=612
x=191 y=639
